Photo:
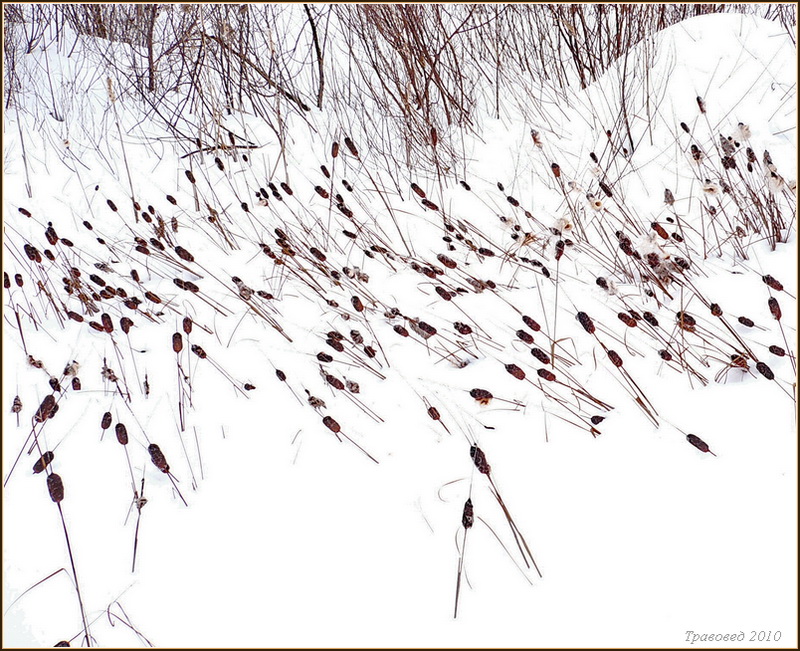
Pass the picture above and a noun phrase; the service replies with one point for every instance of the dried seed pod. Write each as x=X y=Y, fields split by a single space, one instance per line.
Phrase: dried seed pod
x=122 y=433
x=187 y=325
x=602 y=282
x=420 y=192
x=197 y=350
x=424 y=330
x=401 y=330
x=172 y=200
x=616 y=360
x=586 y=322
x=183 y=254
x=697 y=442
x=658 y=228
x=650 y=318
x=45 y=409
x=334 y=149
x=108 y=325
x=190 y=176
x=524 y=336
x=559 y=249
x=352 y=387
x=777 y=350
x=739 y=360
x=479 y=459
x=462 y=328
x=627 y=319
x=430 y=205
x=516 y=371
x=443 y=293
x=76 y=384
x=43 y=462
x=685 y=321
x=746 y=322
x=55 y=487
x=369 y=351
x=356 y=337
x=539 y=354
x=468 y=516
x=556 y=170
x=665 y=355
x=546 y=375
x=281 y=375
x=513 y=201
x=465 y=185
x=111 y=205
x=331 y=424
x=339 y=348
x=335 y=382
x=24 y=212
x=716 y=310
x=177 y=342
x=33 y=253
x=481 y=395
x=669 y=198
x=683 y=263
x=249 y=387
x=324 y=357
x=158 y=458
x=765 y=370
x=16 y=406
x=357 y=304
x=606 y=189
x=105 y=422
x=18 y=280
x=774 y=284
x=125 y=324
x=434 y=413
x=6 y=281
x=701 y=104
x=351 y=146
x=447 y=262
x=531 y=323
x=596 y=420
x=774 y=307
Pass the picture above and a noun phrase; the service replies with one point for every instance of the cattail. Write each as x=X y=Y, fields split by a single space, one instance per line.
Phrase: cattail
x=777 y=350
x=424 y=330
x=108 y=325
x=111 y=205
x=765 y=370
x=339 y=348
x=352 y=387
x=669 y=198
x=55 y=487
x=559 y=249
x=16 y=406
x=443 y=293
x=658 y=228
x=401 y=330
x=462 y=328
x=33 y=253
x=602 y=282
x=738 y=360
x=183 y=254
x=627 y=319
x=479 y=459
x=197 y=350
x=281 y=375
x=418 y=190
x=606 y=190
x=650 y=318
x=537 y=140
x=447 y=262
x=334 y=149
x=357 y=304
x=774 y=284
x=351 y=146
x=483 y=396
x=697 y=155
x=596 y=420
x=177 y=342
x=685 y=127
x=158 y=458
x=531 y=323
x=681 y=262
x=746 y=322
x=539 y=354
x=324 y=357
x=546 y=375
x=685 y=321
x=716 y=310
x=556 y=170
x=76 y=384
x=370 y=352
x=105 y=422
x=430 y=205
x=55 y=385
x=774 y=307
x=701 y=104
x=516 y=371
x=187 y=325
x=18 y=280
x=513 y=201
x=331 y=424
x=24 y=212
x=45 y=410
x=51 y=235
x=467 y=517
x=335 y=382
x=172 y=200
x=616 y=360
x=322 y=192
x=434 y=413
x=122 y=433
x=43 y=462
x=665 y=355
x=125 y=324
x=524 y=336
x=586 y=322
x=699 y=443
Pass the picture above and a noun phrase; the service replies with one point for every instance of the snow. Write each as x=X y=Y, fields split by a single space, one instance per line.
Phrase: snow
x=292 y=538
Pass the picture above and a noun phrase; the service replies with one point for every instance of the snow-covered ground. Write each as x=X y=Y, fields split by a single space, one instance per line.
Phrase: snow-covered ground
x=287 y=532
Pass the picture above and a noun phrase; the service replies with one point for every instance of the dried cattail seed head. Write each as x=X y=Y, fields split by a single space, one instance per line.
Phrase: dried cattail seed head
x=774 y=307
x=55 y=487
x=483 y=396
x=331 y=424
x=479 y=459
x=467 y=517
x=46 y=409
x=158 y=458
x=43 y=462
x=516 y=371
x=177 y=342
x=697 y=442
x=546 y=375
x=122 y=433
x=586 y=322
x=765 y=370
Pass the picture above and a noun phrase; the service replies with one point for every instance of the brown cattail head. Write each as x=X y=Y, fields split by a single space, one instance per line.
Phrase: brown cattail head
x=45 y=409
x=43 y=462
x=765 y=370
x=108 y=325
x=177 y=342
x=556 y=170
x=418 y=190
x=462 y=328
x=716 y=310
x=524 y=336
x=190 y=176
x=483 y=396
x=669 y=198
x=55 y=487
x=331 y=424
x=434 y=413
x=616 y=360
x=357 y=304
x=158 y=458
x=183 y=254
x=774 y=307
x=401 y=330
x=105 y=422
x=16 y=407
x=586 y=322
x=334 y=149
x=539 y=354
x=772 y=282
x=531 y=323
x=665 y=355
x=685 y=321
x=479 y=459
x=281 y=375
x=468 y=516
x=697 y=442
x=122 y=433
x=187 y=325
x=546 y=375
x=125 y=323
x=627 y=319
x=197 y=350
x=351 y=146
x=748 y=323
x=516 y=371
x=778 y=351
x=76 y=384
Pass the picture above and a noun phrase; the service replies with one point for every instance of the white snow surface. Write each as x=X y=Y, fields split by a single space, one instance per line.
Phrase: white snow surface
x=294 y=538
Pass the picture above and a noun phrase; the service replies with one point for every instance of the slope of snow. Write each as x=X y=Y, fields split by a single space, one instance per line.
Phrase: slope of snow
x=294 y=538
